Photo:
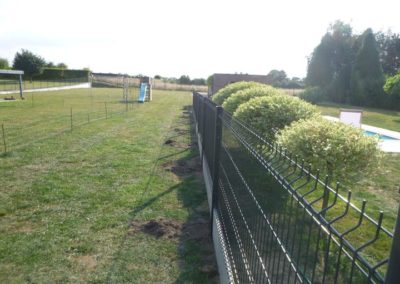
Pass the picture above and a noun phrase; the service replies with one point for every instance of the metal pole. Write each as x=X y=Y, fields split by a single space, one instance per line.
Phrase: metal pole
x=105 y=106
x=4 y=138
x=393 y=272
x=71 y=119
x=217 y=151
x=20 y=86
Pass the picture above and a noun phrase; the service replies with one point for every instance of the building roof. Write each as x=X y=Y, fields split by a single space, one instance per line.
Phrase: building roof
x=11 y=72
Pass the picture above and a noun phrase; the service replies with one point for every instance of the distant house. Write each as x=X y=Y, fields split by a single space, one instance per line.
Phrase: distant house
x=221 y=80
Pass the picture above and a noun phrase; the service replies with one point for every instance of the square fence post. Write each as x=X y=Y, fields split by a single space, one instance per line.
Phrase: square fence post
x=20 y=86
x=217 y=151
x=393 y=272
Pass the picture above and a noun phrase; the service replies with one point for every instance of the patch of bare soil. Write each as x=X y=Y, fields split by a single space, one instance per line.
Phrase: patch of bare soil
x=183 y=168
x=196 y=230
x=181 y=131
x=87 y=261
x=161 y=228
x=176 y=144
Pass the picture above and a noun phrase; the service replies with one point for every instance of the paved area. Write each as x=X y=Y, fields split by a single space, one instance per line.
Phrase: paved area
x=78 y=86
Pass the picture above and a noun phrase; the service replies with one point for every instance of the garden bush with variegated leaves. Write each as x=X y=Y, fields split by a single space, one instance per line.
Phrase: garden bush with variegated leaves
x=269 y=114
x=243 y=96
x=337 y=149
x=224 y=93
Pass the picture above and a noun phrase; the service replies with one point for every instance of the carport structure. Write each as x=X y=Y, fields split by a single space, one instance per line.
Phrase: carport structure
x=14 y=72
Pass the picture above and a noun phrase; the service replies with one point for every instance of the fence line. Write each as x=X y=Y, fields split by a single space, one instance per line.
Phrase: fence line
x=11 y=137
x=281 y=223
x=11 y=85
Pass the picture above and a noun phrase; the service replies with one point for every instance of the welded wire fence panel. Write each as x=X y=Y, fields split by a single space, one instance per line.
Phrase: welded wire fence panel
x=281 y=223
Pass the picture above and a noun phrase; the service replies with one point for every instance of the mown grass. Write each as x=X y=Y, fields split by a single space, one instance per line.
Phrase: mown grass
x=67 y=199
x=376 y=117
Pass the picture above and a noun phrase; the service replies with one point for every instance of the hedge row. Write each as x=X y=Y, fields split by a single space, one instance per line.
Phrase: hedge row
x=240 y=97
x=339 y=150
x=61 y=74
x=270 y=114
x=224 y=93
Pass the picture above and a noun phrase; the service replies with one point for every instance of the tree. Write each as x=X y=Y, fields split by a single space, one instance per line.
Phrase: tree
x=367 y=77
x=198 y=82
x=389 y=51
x=320 y=68
x=50 y=65
x=392 y=86
x=184 y=80
x=30 y=63
x=62 y=65
x=210 y=80
x=276 y=76
x=330 y=64
x=4 y=63
x=158 y=77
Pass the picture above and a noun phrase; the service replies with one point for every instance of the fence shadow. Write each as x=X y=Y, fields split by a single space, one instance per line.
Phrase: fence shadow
x=178 y=158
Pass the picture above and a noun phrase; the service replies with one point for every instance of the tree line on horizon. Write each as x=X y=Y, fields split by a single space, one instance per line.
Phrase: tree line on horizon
x=357 y=69
x=32 y=64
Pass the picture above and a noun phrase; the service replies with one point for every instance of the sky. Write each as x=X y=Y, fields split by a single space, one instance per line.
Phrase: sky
x=183 y=37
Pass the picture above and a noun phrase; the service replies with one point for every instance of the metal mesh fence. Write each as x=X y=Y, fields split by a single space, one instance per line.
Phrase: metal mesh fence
x=281 y=223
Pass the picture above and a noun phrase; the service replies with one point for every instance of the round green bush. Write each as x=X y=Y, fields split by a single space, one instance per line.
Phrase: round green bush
x=267 y=115
x=224 y=93
x=337 y=149
x=240 y=97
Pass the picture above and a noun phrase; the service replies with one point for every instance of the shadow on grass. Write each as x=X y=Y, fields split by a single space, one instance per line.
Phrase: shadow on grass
x=191 y=238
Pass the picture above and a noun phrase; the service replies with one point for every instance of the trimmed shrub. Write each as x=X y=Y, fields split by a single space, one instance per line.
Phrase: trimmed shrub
x=224 y=93
x=337 y=149
x=313 y=95
x=267 y=115
x=243 y=96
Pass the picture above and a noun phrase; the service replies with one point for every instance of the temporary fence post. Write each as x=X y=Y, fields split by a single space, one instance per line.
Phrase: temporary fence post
x=217 y=151
x=4 y=138
x=105 y=107
x=393 y=272
x=71 y=118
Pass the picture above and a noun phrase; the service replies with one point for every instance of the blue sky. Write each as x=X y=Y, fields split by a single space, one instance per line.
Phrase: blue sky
x=175 y=37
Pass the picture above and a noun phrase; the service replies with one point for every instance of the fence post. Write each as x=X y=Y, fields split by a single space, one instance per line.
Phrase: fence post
x=105 y=107
x=393 y=272
x=71 y=118
x=4 y=138
x=203 y=106
x=217 y=151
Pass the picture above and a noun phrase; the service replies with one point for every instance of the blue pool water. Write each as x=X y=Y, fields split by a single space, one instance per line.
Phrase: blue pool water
x=381 y=137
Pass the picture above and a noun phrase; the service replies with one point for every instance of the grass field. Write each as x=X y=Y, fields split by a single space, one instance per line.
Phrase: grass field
x=76 y=205
x=376 y=117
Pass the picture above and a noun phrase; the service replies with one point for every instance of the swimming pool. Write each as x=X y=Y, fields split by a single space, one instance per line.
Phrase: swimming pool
x=381 y=136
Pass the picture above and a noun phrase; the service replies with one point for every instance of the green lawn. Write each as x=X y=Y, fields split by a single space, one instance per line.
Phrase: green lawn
x=74 y=204
x=372 y=116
